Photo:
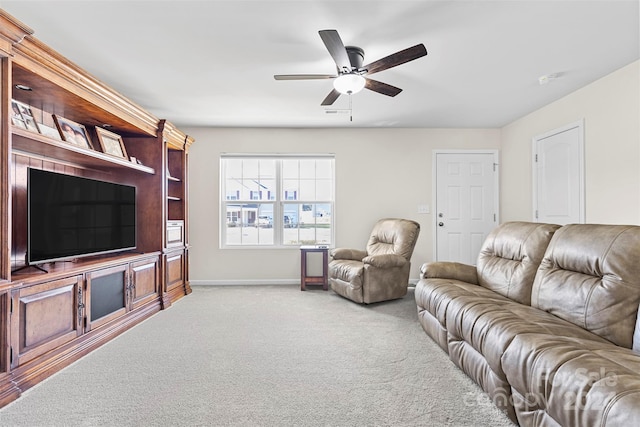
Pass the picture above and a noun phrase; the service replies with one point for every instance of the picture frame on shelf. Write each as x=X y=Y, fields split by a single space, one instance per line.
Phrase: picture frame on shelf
x=22 y=116
x=72 y=132
x=49 y=131
x=111 y=143
x=46 y=124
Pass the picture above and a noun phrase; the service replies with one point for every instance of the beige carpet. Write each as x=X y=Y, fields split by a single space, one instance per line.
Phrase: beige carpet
x=263 y=356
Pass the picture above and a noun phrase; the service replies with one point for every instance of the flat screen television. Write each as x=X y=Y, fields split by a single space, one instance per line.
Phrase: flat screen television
x=71 y=217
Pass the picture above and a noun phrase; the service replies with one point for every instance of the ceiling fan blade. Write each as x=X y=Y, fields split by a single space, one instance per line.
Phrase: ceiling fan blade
x=331 y=98
x=303 y=76
x=336 y=49
x=397 y=58
x=383 y=88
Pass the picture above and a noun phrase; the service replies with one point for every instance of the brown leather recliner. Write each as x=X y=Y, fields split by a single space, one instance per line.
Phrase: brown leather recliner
x=381 y=272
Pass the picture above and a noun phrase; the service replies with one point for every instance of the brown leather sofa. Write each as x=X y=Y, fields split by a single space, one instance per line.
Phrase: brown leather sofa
x=546 y=322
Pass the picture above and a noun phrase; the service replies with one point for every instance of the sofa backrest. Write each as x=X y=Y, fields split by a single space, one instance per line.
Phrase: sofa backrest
x=590 y=276
x=510 y=256
x=393 y=236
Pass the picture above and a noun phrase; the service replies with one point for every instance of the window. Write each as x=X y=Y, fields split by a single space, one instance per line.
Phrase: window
x=276 y=201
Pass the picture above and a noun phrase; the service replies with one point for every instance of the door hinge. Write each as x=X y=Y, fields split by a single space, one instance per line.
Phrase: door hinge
x=11 y=355
x=494 y=217
x=11 y=307
x=536 y=159
x=495 y=165
x=536 y=214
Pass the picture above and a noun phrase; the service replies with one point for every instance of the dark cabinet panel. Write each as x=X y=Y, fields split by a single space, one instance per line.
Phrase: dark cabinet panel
x=145 y=280
x=45 y=316
x=106 y=295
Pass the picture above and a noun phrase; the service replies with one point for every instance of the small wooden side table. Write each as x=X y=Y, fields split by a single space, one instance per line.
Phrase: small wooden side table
x=306 y=279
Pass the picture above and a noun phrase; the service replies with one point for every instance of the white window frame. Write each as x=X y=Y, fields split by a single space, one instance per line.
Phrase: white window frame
x=278 y=203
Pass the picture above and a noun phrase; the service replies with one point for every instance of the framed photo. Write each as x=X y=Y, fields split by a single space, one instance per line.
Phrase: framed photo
x=72 y=132
x=111 y=143
x=22 y=116
x=49 y=131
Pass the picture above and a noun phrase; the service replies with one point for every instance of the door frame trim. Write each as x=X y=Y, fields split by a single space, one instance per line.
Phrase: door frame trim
x=581 y=168
x=434 y=187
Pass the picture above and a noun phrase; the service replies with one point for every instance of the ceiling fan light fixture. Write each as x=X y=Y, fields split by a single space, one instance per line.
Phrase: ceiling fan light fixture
x=349 y=83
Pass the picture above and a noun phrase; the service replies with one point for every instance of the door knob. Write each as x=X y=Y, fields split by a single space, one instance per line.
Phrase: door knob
x=441 y=224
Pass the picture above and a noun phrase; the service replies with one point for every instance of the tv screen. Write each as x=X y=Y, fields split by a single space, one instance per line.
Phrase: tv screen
x=71 y=216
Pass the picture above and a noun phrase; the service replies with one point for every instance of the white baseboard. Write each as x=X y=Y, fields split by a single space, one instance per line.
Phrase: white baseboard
x=244 y=282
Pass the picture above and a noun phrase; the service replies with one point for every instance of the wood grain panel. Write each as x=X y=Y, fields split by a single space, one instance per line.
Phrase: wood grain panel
x=175 y=270
x=145 y=279
x=46 y=317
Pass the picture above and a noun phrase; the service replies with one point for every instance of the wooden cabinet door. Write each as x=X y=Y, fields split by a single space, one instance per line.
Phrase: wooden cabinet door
x=45 y=316
x=145 y=281
x=175 y=270
x=107 y=295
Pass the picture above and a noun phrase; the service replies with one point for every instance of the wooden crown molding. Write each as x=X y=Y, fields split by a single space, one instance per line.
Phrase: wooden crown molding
x=12 y=32
x=174 y=137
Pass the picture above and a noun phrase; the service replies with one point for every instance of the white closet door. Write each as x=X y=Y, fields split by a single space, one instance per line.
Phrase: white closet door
x=558 y=168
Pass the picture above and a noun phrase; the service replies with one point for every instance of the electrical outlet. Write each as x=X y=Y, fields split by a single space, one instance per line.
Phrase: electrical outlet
x=423 y=209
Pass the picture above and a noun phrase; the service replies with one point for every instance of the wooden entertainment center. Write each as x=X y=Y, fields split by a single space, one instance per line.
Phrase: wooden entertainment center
x=50 y=318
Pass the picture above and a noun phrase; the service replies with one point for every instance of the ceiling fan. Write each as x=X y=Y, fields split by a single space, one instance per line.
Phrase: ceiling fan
x=350 y=71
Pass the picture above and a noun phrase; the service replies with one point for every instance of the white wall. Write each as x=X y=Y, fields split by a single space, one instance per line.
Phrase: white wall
x=379 y=173
x=610 y=108
x=387 y=172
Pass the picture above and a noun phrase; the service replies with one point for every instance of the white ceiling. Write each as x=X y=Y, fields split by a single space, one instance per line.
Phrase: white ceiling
x=211 y=63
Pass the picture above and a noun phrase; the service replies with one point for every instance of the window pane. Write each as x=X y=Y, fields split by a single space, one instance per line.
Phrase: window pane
x=249 y=224
x=307 y=189
x=307 y=224
x=290 y=169
x=252 y=192
x=234 y=168
x=307 y=169
x=290 y=190
x=249 y=190
x=324 y=169
x=267 y=189
x=267 y=168
x=324 y=190
x=250 y=168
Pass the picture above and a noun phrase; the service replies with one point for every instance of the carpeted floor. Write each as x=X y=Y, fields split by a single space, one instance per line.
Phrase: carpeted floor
x=263 y=356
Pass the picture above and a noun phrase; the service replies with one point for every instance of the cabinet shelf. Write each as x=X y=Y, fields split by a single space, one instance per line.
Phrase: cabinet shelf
x=35 y=144
x=173 y=178
x=173 y=199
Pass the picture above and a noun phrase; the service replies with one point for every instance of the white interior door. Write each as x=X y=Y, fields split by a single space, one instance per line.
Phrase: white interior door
x=558 y=176
x=466 y=207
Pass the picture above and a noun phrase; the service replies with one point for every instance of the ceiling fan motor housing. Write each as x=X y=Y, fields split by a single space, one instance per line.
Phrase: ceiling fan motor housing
x=356 y=57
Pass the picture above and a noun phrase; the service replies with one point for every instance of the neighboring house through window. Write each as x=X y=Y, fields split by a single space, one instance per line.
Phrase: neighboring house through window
x=276 y=200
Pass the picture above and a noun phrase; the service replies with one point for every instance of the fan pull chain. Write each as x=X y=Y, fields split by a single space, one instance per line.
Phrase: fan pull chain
x=350 y=108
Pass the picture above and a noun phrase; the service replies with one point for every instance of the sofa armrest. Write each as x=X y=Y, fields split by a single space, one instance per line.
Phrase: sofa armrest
x=385 y=261
x=350 y=254
x=449 y=270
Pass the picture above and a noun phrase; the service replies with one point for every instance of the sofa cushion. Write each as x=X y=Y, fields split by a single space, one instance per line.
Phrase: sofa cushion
x=590 y=276
x=574 y=382
x=433 y=297
x=393 y=236
x=489 y=326
x=510 y=256
x=480 y=330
